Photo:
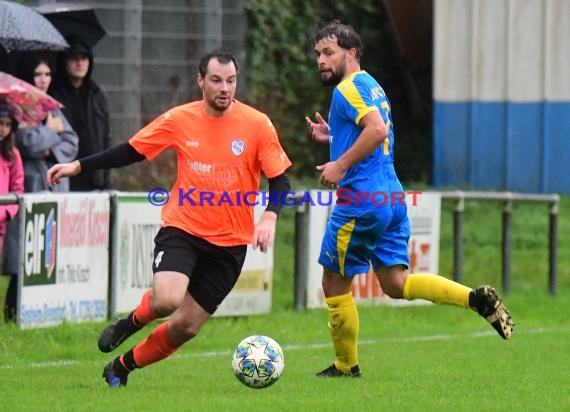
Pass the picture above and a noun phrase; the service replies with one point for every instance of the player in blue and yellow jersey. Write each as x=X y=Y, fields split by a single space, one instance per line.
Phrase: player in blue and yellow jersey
x=362 y=232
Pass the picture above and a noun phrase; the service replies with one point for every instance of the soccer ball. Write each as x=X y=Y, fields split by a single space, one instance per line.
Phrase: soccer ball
x=258 y=361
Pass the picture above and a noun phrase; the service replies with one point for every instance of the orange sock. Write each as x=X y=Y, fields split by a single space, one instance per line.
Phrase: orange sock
x=143 y=313
x=154 y=348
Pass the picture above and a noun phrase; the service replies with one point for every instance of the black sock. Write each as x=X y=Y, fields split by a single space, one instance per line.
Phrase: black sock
x=128 y=361
x=134 y=319
x=474 y=302
x=128 y=324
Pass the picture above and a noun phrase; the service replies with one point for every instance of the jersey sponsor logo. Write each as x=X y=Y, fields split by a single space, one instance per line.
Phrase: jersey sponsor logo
x=40 y=246
x=192 y=143
x=238 y=146
x=199 y=167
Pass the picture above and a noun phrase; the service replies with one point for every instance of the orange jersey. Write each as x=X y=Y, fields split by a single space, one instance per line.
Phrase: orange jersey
x=220 y=160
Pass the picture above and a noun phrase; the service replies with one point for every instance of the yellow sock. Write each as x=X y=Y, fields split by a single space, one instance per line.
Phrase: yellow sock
x=436 y=289
x=343 y=327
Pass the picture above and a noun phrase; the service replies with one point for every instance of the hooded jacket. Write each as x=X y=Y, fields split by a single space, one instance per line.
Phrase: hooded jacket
x=87 y=110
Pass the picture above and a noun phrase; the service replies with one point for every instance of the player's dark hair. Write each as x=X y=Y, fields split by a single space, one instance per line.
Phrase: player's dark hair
x=346 y=37
x=223 y=56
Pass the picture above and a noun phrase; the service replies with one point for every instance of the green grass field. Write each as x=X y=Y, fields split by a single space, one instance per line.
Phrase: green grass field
x=423 y=358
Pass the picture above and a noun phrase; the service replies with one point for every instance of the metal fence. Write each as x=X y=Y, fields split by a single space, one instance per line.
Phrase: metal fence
x=148 y=61
x=553 y=200
x=508 y=198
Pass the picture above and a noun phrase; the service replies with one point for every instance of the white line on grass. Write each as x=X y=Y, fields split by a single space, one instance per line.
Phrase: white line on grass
x=420 y=338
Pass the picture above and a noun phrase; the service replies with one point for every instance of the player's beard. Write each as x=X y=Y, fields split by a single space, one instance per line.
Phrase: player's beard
x=336 y=75
x=218 y=106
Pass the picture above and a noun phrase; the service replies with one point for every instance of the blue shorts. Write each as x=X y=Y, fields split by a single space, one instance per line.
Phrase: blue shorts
x=357 y=238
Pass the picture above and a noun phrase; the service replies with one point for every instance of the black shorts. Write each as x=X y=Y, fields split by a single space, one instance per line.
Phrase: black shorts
x=213 y=270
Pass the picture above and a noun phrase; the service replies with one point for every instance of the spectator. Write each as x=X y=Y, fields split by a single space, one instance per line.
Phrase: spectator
x=11 y=180
x=54 y=141
x=86 y=108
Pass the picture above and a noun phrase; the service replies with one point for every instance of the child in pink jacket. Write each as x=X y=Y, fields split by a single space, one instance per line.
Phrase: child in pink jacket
x=11 y=168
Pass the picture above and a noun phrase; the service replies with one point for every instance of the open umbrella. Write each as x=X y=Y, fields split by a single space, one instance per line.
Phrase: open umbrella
x=23 y=28
x=30 y=104
x=74 y=21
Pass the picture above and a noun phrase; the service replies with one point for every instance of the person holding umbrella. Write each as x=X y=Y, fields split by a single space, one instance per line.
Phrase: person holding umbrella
x=86 y=108
x=51 y=142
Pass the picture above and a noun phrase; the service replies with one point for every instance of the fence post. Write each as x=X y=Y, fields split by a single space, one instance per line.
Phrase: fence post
x=458 y=239
x=301 y=254
x=506 y=245
x=113 y=246
x=552 y=248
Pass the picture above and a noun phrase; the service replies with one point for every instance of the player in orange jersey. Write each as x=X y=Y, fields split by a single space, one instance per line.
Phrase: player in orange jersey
x=223 y=146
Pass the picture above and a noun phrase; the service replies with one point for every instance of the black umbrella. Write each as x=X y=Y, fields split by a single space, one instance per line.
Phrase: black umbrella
x=23 y=28
x=75 y=21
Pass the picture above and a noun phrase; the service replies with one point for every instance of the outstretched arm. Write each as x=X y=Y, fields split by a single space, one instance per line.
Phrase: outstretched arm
x=117 y=156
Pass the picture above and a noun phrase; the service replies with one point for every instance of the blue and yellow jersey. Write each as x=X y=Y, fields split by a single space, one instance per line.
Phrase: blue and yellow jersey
x=353 y=98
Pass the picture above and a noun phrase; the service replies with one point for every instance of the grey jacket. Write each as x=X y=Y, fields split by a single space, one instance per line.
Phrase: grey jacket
x=33 y=142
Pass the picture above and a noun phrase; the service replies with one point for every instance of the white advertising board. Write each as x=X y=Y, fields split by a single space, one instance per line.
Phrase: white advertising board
x=65 y=265
x=424 y=212
x=252 y=292
x=137 y=223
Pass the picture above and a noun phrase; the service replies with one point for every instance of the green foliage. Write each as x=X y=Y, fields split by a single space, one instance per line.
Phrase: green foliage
x=283 y=78
x=282 y=74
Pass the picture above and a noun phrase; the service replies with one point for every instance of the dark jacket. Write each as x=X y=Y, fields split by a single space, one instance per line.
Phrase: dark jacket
x=87 y=110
